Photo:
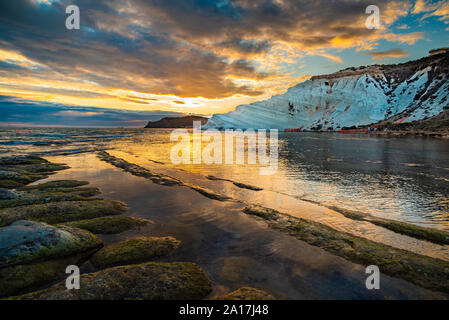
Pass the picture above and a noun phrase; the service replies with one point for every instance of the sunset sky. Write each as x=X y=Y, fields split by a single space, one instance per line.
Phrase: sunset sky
x=136 y=59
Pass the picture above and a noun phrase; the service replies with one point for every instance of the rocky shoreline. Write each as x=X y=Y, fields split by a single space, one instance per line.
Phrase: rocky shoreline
x=46 y=227
x=394 y=133
x=408 y=133
x=424 y=271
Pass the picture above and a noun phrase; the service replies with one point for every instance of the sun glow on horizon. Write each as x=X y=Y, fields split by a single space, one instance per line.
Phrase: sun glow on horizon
x=142 y=56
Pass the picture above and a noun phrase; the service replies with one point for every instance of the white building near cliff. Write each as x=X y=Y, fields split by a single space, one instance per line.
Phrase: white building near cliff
x=438 y=51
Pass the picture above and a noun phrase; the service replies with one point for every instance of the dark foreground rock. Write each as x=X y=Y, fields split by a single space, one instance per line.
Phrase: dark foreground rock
x=148 y=281
x=247 y=293
x=18 y=171
x=134 y=250
x=21 y=160
x=6 y=194
x=109 y=225
x=32 y=254
x=23 y=198
x=63 y=211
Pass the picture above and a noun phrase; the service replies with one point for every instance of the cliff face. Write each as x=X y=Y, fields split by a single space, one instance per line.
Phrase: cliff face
x=176 y=122
x=351 y=97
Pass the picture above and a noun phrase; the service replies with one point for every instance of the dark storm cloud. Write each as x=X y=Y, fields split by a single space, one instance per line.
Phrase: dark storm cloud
x=143 y=60
x=246 y=46
x=239 y=19
x=24 y=113
x=179 y=47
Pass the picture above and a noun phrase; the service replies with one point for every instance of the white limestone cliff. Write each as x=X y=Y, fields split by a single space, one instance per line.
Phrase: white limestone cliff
x=351 y=97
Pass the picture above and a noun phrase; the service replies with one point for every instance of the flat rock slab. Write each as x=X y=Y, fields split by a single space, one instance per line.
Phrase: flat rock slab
x=18 y=171
x=30 y=197
x=6 y=194
x=109 y=225
x=247 y=293
x=56 y=184
x=18 y=160
x=12 y=179
x=27 y=241
x=424 y=271
x=135 y=250
x=62 y=211
x=148 y=281
x=33 y=253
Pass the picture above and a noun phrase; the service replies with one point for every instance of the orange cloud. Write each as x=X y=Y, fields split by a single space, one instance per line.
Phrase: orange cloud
x=18 y=59
x=79 y=113
x=393 y=53
x=143 y=55
x=330 y=57
x=408 y=38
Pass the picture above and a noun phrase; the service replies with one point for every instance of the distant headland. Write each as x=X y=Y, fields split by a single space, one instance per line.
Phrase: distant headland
x=176 y=122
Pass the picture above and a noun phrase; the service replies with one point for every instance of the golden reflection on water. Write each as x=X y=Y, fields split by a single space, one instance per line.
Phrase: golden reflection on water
x=233 y=249
x=369 y=186
x=88 y=165
x=360 y=173
x=293 y=206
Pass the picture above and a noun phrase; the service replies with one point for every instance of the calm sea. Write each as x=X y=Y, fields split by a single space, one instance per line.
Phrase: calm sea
x=399 y=178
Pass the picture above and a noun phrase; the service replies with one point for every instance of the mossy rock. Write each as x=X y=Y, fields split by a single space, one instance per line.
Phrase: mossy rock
x=6 y=194
x=158 y=178
x=61 y=193
x=432 y=235
x=25 y=278
x=33 y=254
x=10 y=184
x=56 y=184
x=22 y=179
x=421 y=270
x=109 y=225
x=8 y=174
x=10 y=178
x=26 y=241
x=247 y=293
x=63 y=211
x=408 y=229
x=47 y=167
x=14 y=178
x=16 y=160
x=238 y=184
x=49 y=195
x=138 y=171
x=208 y=192
x=134 y=250
x=18 y=171
x=148 y=281
x=265 y=213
